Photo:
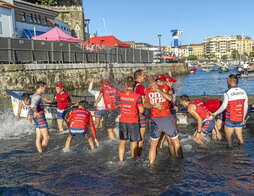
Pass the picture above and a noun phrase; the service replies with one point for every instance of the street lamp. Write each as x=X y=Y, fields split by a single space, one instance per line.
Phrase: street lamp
x=159 y=36
x=87 y=26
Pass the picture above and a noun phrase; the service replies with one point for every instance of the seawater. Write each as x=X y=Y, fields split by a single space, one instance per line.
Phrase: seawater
x=211 y=169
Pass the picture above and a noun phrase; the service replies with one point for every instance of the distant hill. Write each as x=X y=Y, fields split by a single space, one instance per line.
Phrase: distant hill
x=57 y=2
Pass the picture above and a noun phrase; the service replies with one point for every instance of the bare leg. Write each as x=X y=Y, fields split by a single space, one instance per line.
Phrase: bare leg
x=153 y=151
x=97 y=123
x=111 y=134
x=68 y=142
x=177 y=148
x=171 y=148
x=229 y=133
x=134 y=149
x=60 y=124
x=90 y=141
x=239 y=134
x=198 y=137
x=121 y=150
x=161 y=140
x=38 y=140
x=142 y=133
x=45 y=138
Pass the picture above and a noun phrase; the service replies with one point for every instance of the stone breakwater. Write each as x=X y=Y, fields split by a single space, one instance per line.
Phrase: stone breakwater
x=76 y=76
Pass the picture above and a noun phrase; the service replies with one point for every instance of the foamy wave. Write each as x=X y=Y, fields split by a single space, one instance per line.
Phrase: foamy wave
x=13 y=129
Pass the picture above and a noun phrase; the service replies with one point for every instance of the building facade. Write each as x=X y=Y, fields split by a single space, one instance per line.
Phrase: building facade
x=74 y=17
x=220 y=46
x=63 y=26
x=7 y=19
x=32 y=19
x=197 y=50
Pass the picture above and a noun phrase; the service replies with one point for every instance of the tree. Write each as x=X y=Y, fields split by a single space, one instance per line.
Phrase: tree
x=224 y=57
x=192 y=57
x=251 y=55
x=235 y=54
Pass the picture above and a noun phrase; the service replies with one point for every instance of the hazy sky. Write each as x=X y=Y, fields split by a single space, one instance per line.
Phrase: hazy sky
x=143 y=20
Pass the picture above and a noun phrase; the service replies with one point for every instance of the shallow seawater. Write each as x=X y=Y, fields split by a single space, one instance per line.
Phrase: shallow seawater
x=210 y=169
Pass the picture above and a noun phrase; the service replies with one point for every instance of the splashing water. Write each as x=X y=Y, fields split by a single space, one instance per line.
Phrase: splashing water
x=13 y=129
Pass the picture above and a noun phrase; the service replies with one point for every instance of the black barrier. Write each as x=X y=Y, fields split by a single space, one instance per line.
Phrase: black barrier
x=21 y=51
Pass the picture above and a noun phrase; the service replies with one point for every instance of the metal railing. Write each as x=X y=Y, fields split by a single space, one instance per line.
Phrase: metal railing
x=22 y=51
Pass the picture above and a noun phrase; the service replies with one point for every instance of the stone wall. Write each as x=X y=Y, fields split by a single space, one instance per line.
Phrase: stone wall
x=76 y=76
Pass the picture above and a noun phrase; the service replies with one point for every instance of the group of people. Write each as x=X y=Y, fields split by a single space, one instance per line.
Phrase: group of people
x=137 y=106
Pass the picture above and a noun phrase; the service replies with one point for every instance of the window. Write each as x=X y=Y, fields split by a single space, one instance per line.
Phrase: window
x=39 y=19
x=46 y=20
x=31 y=18
x=64 y=28
x=23 y=16
x=35 y=18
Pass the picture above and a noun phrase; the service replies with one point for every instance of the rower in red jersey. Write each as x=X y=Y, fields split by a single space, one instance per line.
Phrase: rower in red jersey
x=78 y=121
x=139 y=88
x=157 y=99
x=130 y=106
x=206 y=123
x=110 y=96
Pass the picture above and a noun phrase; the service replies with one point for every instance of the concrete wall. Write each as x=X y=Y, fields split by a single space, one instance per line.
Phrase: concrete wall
x=75 y=76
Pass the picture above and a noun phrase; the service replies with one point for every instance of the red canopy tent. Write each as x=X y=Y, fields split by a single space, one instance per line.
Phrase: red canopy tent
x=110 y=41
x=57 y=34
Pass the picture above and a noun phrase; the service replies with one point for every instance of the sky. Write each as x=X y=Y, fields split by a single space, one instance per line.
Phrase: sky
x=143 y=20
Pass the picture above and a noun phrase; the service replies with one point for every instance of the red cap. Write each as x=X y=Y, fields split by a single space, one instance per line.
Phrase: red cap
x=161 y=77
x=170 y=79
x=60 y=86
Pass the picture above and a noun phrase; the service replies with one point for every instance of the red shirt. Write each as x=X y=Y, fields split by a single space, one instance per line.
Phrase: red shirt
x=129 y=103
x=202 y=111
x=139 y=88
x=154 y=97
x=110 y=95
x=63 y=100
x=80 y=118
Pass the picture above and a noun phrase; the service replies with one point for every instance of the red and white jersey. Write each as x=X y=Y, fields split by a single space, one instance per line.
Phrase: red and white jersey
x=81 y=118
x=110 y=96
x=236 y=104
x=154 y=97
x=63 y=99
x=129 y=103
x=202 y=111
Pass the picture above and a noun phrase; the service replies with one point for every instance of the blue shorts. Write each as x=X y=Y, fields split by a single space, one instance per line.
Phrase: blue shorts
x=99 y=113
x=77 y=131
x=233 y=124
x=208 y=126
x=30 y=113
x=163 y=124
x=40 y=121
x=61 y=115
x=142 y=120
x=129 y=131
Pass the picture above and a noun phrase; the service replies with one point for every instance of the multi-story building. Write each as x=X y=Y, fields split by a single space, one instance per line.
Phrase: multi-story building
x=183 y=51
x=224 y=45
x=197 y=50
x=63 y=26
x=32 y=19
x=7 y=19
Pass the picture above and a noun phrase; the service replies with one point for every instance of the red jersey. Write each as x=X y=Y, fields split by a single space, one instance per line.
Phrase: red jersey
x=129 y=103
x=154 y=97
x=202 y=111
x=139 y=88
x=63 y=100
x=110 y=95
x=80 y=118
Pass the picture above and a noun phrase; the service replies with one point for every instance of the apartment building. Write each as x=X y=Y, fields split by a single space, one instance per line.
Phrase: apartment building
x=7 y=20
x=197 y=50
x=224 y=45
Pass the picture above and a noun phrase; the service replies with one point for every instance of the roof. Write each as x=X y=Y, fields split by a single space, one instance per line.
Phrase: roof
x=57 y=34
x=6 y=5
x=110 y=41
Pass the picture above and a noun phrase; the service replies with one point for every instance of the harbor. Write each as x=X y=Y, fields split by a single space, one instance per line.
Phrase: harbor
x=82 y=171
